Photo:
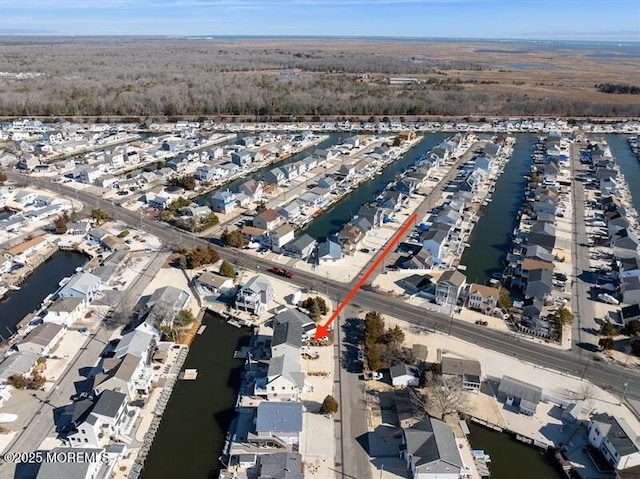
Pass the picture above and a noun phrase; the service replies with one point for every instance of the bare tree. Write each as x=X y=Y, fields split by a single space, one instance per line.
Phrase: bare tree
x=444 y=395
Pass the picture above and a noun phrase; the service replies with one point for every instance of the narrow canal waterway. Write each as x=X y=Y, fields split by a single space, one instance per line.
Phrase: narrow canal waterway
x=629 y=165
x=334 y=139
x=44 y=281
x=332 y=220
x=491 y=238
x=192 y=432
x=511 y=458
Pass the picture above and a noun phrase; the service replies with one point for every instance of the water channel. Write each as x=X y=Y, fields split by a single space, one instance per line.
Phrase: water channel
x=192 y=432
x=629 y=165
x=332 y=220
x=42 y=282
x=490 y=240
x=511 y=458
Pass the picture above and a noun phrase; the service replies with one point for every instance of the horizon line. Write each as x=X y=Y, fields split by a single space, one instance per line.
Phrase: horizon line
x=335 y=37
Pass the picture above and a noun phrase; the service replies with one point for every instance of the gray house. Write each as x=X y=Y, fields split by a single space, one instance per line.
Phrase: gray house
x=281 y=420
x=539 y=283
x=520 y=395
x=430 y=450
x=301 y=247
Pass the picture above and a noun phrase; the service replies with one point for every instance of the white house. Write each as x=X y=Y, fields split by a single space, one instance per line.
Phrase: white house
x=404 y=375
x=449 y=286
x=125 y=375
x=41 y=339
x=81 y=285
x=65 y=311
x=483 y=298
x=615 y=440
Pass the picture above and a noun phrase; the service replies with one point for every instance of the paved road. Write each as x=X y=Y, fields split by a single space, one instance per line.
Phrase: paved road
x=41 y=425
x=352 y=447
x=573 y=362
x=582 y=305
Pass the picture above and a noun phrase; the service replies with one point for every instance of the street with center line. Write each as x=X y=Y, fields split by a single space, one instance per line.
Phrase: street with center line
x=573 y=362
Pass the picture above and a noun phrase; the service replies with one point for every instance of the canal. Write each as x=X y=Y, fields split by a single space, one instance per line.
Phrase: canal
x=332 y=220
x=511 y=458
x=629 y=165
x=334 y=139
x=42 y=282
x=490 y=240
x=192 y=432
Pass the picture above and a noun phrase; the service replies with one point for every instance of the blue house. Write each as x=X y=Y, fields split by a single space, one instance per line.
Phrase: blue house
x=222 y=201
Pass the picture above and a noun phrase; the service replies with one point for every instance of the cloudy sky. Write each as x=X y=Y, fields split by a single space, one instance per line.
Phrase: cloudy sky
x=597 y=20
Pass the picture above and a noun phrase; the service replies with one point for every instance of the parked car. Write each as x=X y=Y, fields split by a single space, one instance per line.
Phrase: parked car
x=607 y=298
x=281 y=272
x=375 y=376
x=360 y=355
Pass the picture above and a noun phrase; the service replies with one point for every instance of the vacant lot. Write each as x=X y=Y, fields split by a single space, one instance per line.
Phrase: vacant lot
x=310 y=77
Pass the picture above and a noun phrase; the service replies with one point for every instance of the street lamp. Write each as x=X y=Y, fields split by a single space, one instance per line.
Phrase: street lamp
x=624 y=393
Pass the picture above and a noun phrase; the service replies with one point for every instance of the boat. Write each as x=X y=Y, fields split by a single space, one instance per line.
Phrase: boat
x=14 y=287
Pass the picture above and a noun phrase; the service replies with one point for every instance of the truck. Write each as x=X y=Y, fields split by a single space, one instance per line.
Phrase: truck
x=607 y=298
x=281 y=272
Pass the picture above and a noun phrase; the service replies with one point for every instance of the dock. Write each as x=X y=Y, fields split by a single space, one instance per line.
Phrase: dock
x=201 y=329
x=189 y=375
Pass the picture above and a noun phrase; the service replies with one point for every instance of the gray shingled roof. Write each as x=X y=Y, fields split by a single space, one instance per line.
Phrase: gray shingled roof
x=431 y=442
x=67 y=470
x=109 y=403
x=289 y=332
x=281 y=465
x=618 y=432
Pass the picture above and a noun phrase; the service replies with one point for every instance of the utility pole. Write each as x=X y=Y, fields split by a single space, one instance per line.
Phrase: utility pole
x=624 y=393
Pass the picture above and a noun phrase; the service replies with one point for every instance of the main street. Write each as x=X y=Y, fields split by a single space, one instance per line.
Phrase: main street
x=571 y=362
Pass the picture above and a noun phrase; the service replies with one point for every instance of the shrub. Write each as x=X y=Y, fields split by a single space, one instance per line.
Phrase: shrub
x=123 y=234
x=329 y=405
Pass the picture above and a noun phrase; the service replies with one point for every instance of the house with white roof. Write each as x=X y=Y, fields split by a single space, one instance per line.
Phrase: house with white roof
x=81 y=285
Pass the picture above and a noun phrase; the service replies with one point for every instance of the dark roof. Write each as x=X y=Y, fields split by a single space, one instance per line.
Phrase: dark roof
x=281 y=465
x=401 y=369
x=109 y=403
x=454 y=277
x=542 y=275
x=289 y=332
x=631 y=311
x=618 y=432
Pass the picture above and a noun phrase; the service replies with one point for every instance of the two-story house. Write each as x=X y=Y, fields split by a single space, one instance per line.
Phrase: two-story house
x=483 y=298
x=255 y=296
x=613 y=437
x=449 y=286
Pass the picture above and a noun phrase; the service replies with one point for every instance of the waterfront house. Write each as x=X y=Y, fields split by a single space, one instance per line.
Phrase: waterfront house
x=284 y=380
x=310 y=162
x=532 y=308
x=421 y=260
x=65 y=311
x=450 y=286
x=329 y=251
x=229 y=169
x=624 y=244
x=91 y=466
x=124 y=375
x=349 y=238
x=279 y=237
x=267 y=219
x=280 y=465
x=301 y=247
x=431 y=451
x=347 y=170
x=18 y=364
x=615 y=439
x=467 y=371
x=616 y=220
x=393 y=200
x=241 y=158
x=311 y=198
x=253 y=189
x=297 y=316
x=81 y=285
x=403 y=375
x=327 y=182
x=41 y=339
x=287 y=338
x=279 y=420
x=373 y=213
x=522 y=396
x=109 y=419
x=538 y=253
x=407 y=185
x=539 y=284
x=324 y=155
x=207 y=173
x=78 y=228
x=20 y=252
x=529 y=265
x=255 y=296
x=630 y=288
x=275 y=176
x=141 y=342
x=449 y=216
x=163 y=305
x=290 y=211
x=215 y=283
x=483 y=162
x=222 y=201
x=433 y=241
x=483 y=298
x=542 y=234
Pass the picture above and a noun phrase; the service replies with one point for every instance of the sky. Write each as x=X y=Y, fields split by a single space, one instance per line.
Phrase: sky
x=574 y=20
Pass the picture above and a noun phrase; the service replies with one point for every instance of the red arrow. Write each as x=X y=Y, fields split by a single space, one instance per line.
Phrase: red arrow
x=323 y=330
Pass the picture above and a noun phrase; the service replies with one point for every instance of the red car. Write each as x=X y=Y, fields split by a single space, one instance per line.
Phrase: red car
x=281 y=272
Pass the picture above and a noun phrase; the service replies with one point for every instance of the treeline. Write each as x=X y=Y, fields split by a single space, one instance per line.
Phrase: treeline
x=618 y=88
x=200 y=78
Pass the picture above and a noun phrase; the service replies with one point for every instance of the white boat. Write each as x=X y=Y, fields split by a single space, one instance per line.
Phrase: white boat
x=14 y=287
